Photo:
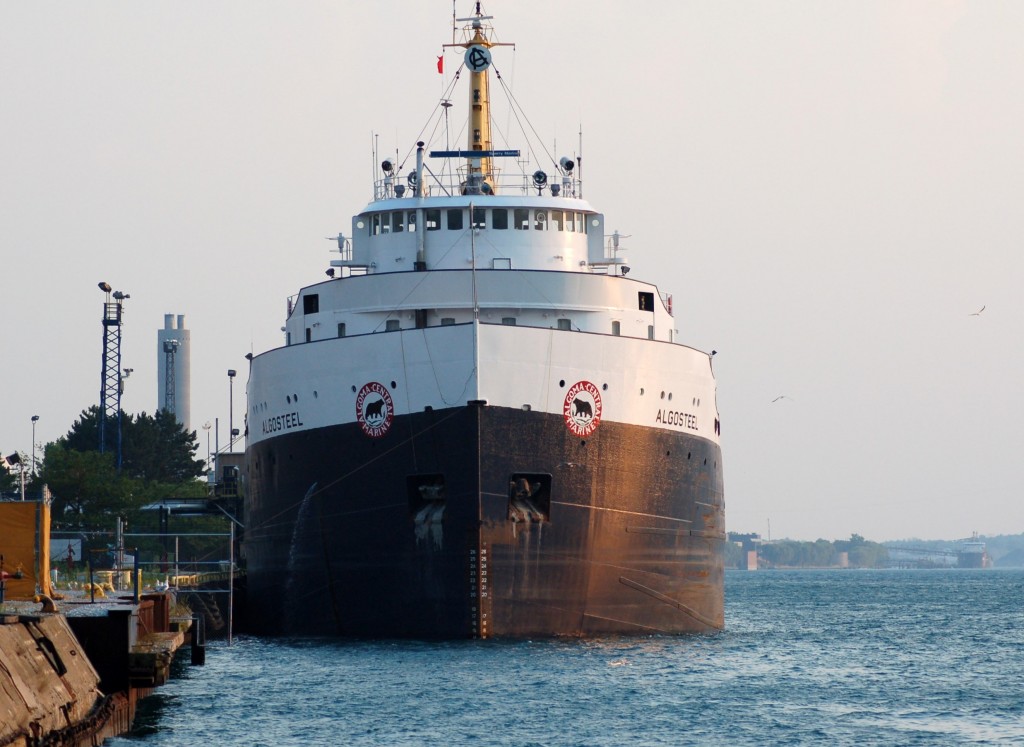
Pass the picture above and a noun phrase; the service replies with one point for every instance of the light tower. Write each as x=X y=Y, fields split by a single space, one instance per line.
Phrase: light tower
x=110 y=373
x=170 y=348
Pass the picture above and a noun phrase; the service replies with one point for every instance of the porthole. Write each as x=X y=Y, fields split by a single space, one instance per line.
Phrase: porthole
x=360 y=224
x=604 y=387
x=353 y=387
x=288 y=398
x=315 y=395
x=561 y=382
x=394 y=385
x=670 y=396
x=663 y=395
x=641 y=391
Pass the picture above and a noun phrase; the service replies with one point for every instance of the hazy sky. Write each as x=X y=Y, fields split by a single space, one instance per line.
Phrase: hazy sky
x=829 y=189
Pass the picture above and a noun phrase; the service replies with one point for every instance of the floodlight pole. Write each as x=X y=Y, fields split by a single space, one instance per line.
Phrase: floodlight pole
x=231 y=409
x=111 y=385
x=35 y=419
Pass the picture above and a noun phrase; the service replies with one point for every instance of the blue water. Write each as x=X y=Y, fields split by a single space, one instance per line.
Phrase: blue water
x=809 y=657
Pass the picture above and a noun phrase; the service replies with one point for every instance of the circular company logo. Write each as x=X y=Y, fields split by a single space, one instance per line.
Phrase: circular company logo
x=582 y=408
x=477 y=58
x=374 y=409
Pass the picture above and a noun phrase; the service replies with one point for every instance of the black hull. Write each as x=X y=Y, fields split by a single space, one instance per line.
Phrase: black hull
x=419 y=534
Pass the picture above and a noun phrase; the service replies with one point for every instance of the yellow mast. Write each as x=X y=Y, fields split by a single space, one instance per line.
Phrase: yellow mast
x=479 y=171
x=480 y=114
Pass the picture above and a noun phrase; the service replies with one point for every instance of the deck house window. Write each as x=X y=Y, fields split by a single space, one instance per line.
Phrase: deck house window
x=570 y=221
x=565 y=324
x=556 y=220
x=447 y=321
x=478 y=217
x=650 y=331
x=521 y=219
x=396 y=221
x=309 y=334
x=311 y=303
x=375 y=224
x=455 y=219
x=341 y=329
x=433 y=218
x=499 y=219
x=616 y=328
x=508 y=321
x=392 y=325
x=411 y=222
x=540 y=220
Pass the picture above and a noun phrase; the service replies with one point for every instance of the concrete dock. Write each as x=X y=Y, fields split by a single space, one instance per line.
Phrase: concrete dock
x=72 y=670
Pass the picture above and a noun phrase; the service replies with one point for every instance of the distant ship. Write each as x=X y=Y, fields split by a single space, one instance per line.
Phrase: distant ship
x=479 y=426
x=973 y=553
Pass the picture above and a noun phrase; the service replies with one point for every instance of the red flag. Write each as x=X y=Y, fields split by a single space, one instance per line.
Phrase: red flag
x=440 y=64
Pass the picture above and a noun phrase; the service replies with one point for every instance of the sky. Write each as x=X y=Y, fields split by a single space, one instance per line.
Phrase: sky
x=830 y=190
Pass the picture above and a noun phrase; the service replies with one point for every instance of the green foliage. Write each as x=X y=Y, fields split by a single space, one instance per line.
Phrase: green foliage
x=88 y=491
x=8 y=481
x=823 y=554
x=154 y=448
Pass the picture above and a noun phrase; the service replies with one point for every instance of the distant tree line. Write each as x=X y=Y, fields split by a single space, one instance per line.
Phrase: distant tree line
x=818 y=554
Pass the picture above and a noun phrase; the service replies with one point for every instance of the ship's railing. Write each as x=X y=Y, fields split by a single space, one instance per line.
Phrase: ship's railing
x=458 y=182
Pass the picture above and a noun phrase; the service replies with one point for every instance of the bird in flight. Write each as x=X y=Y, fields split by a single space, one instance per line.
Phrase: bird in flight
x=978 y=312
x=782 y=396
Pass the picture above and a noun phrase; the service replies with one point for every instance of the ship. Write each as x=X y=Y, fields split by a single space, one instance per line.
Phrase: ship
x=479 y=425
x=973 y=553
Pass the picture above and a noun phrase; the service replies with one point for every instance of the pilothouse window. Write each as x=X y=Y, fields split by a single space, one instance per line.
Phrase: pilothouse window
x=396 y=222
x=433 y=218
x=522 y=219
x=540 y=220
x=499 y=219
x=478 y=217
x=455 y=220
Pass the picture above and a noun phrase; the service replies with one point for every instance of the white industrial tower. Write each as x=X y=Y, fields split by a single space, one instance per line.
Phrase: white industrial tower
x=178 y=340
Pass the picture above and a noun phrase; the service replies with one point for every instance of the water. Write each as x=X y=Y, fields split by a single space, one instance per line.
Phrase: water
x=809 y=657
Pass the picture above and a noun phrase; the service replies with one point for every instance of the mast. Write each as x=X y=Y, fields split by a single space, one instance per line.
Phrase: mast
x=479 y=110
x=479 y=169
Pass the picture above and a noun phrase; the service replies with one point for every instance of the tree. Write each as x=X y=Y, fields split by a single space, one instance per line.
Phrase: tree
x=8 y=479
x=153 y=447
x=87 y=491
x=159 y=449
x=157 y=463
